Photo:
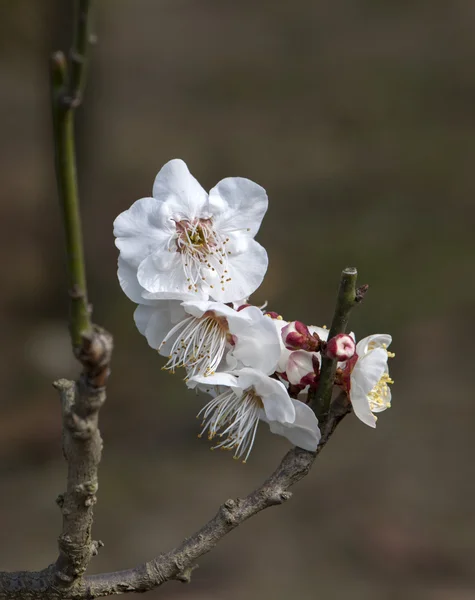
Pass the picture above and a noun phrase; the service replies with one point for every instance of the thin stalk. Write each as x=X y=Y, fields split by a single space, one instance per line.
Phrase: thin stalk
x=67 y=85
x=347 y=298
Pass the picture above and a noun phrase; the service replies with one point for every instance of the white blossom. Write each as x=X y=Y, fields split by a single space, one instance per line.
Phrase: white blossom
x=369 y=379
x=203 y=336
x=252 y=396
x=183 y=240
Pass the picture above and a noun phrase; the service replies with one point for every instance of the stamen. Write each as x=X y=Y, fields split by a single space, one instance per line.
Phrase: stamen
x=234 y=418
x=202 y=248
x=379 y=396
x=200 y=345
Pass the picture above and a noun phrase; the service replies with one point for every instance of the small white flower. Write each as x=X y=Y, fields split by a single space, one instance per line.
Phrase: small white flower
x=199 y=334
x=183 y=240
x=369 y=379
x=251 y=396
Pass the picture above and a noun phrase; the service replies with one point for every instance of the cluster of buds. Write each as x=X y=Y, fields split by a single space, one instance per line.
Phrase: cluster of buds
x=303 y=349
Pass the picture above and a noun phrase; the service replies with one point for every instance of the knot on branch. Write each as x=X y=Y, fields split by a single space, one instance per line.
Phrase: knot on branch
x=185 y=575
x=96 y=545
x=80 y=428
x=87 y=491
x=361 y=292
x=95 y=354
x=229 y=511
x=76 y=564
x=276 y=497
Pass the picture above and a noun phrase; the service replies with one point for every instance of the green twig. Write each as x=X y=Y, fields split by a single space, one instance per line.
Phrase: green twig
x=78 y=56
x=66 y=92
x=348 y=297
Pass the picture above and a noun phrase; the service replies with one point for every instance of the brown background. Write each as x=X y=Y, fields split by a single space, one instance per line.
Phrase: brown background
x=358 y=118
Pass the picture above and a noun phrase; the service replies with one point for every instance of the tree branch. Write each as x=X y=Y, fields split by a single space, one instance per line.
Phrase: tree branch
x=179 y=563
x=80 y=401
x=348 y=296
x=66 y=94
x=79 y=52
x=82 y=448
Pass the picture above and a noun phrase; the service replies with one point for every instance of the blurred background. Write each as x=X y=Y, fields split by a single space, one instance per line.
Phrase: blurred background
x=358 y=118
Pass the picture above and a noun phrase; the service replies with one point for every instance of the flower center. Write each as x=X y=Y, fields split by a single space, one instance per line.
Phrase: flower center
x=199 y=346
x=379 y=398
x=203 y=253
x=234 y=417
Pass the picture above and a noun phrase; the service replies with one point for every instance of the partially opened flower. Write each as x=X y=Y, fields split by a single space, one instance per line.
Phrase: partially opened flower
x=183 y=240
x=251 y=396
x=201 y=335
x=369 y=380
x=303 y=368
x=320 y=333
x=296 y=336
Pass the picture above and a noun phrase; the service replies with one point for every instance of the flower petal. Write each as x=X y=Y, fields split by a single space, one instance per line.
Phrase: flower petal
x=320 y=331
x=238 y=204
x=197 y=308
x=163 y=273
x=277 y=404
x=360 y=403
x=377 y=340
x=369 y=369
x=141 y=230
x=154 y=322
x=304 y=431
x=246 y=271
x=257 y=342
x=175 y=186
x=127 y=276
x=224 y=379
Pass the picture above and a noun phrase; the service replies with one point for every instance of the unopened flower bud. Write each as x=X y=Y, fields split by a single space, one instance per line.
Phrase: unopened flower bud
x=303 y=368
x=341 y=347
x=296 y=336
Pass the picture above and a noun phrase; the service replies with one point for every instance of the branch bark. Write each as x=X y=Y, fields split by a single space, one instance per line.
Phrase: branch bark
x=81 y=400
x=82 y=448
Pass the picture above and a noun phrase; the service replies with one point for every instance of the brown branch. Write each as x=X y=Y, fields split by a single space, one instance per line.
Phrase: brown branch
x=82 y=447
x=81 y=400
x=82 y=442
x=180 y=562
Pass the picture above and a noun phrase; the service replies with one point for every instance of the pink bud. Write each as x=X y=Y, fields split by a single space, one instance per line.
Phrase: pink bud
x=296 y=336
x=302 y=368
x=341 y=347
